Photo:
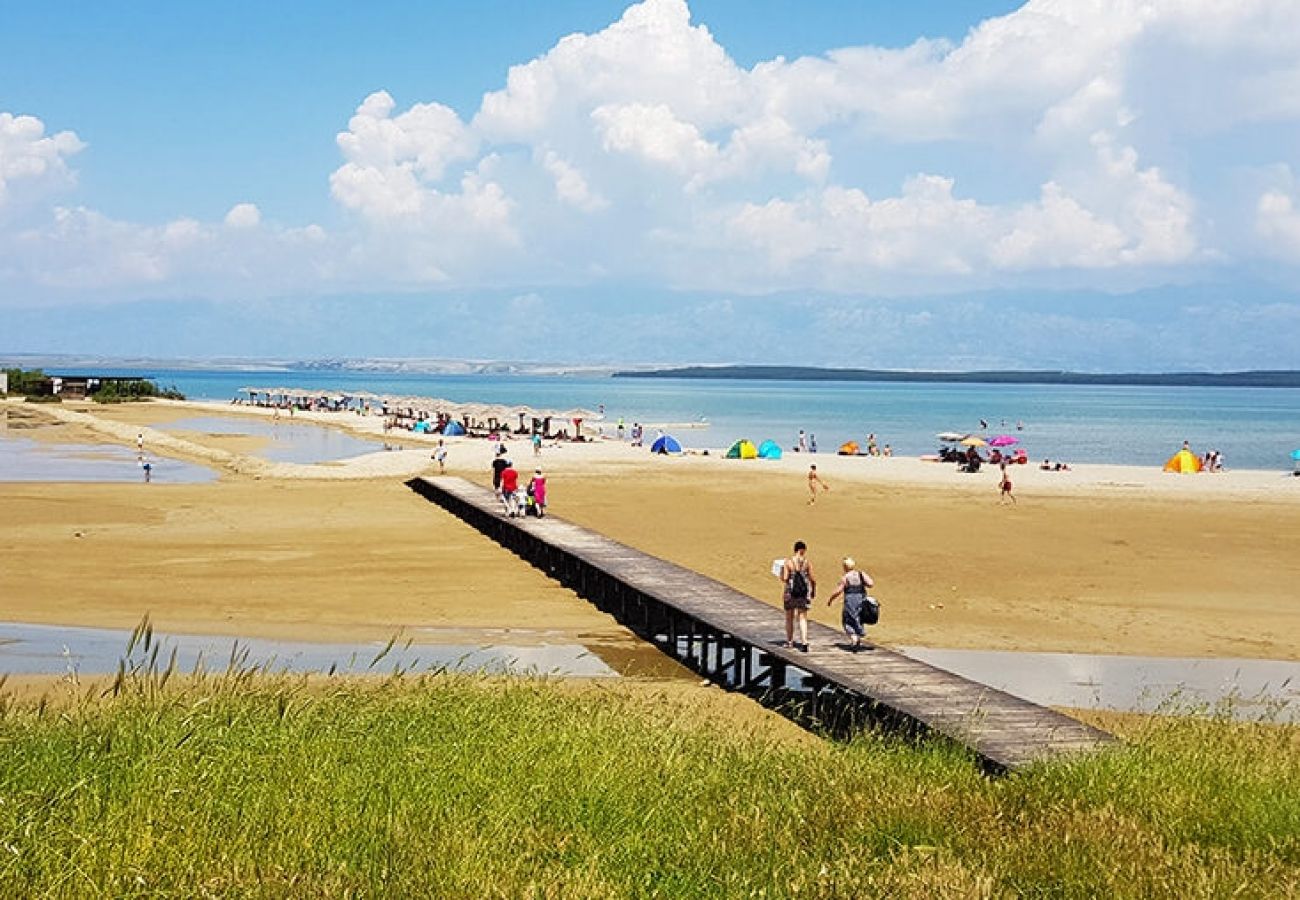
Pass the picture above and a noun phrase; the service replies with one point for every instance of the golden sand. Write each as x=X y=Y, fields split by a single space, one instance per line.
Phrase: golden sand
x=1102 y=559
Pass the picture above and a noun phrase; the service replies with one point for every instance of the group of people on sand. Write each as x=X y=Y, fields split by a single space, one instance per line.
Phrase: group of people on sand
x=516 y=500
x=799 y=591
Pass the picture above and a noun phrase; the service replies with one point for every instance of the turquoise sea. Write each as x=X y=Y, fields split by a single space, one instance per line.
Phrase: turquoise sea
x=1254 y=428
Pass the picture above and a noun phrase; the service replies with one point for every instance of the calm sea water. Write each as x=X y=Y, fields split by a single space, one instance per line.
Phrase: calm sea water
x=1254 y=428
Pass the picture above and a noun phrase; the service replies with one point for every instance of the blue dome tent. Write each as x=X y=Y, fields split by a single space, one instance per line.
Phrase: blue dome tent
x=666 y=444
x=453 y=429
x=769 y=449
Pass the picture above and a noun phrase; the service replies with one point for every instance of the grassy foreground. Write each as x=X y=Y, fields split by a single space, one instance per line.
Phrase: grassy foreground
x=458 y=786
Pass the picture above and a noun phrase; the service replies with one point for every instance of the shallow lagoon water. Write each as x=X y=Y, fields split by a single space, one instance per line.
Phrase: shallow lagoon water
x=1244 y=688
x=57 y=650
x=22 y=459
x=291 y=442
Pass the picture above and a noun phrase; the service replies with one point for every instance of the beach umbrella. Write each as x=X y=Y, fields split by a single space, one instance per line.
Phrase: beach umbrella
x=973 y=441
x=1004 y=440
x=950 y=437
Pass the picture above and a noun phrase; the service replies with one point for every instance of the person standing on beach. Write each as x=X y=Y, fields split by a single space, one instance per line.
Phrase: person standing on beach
x=537 y=443
x=853 y=586
x=799 y=590
x=802 y=444
x=139 y=444
x=815 y=481
x=1004 y=486
x=440 y=456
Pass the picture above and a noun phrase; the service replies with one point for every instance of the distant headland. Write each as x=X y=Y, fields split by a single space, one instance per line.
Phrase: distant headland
x=1285 y=378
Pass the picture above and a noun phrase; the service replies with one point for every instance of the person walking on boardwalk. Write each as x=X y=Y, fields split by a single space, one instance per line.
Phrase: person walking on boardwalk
x=537 y=490
x=510 y=489
x=499 y=463
x=853 y=586
x=814 y=482
x=800 y=587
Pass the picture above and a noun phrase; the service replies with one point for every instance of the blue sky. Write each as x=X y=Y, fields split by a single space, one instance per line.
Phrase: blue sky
x=1097 y=186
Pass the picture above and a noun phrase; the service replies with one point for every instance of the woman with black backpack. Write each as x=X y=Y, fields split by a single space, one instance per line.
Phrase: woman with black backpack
x=854 y=586
x=800 y=588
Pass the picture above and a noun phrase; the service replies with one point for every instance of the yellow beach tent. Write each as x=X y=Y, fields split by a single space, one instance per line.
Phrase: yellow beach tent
x=1183 y=461
x=848 y=448
x=743 y=449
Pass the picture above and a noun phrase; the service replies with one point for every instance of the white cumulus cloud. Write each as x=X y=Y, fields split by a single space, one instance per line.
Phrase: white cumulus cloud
x=30 y=159
x=1066 y=141
x=244 y=215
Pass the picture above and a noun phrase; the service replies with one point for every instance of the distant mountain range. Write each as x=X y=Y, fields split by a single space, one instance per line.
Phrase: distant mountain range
x=57 y=362
x=1280 y=378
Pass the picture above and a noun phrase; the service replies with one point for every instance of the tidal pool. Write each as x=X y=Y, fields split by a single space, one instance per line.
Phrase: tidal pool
x=57 y=650
x=22 y=459
x=291 y=442
x=1242 y=688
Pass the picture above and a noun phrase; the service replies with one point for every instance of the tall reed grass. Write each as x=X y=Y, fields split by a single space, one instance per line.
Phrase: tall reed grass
x=246 y=784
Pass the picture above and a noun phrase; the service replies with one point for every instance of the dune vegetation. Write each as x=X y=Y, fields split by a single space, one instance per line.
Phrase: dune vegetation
x=249 y=784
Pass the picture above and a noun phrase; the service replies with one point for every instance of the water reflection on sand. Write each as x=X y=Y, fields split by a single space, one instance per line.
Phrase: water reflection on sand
x=291 y=442
x=57 y=650
x=1243 y=688
x=22 y=459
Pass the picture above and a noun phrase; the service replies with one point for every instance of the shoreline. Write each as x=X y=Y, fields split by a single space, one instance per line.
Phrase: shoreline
x=120 y=423
x=1111 y=560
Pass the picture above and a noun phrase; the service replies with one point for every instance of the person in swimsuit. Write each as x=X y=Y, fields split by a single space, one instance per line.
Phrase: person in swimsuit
x=799 y=589
x=853 y=586
x=1005 y=487
x=815 y=481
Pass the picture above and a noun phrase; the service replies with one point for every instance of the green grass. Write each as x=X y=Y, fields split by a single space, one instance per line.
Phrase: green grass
x=459 y=786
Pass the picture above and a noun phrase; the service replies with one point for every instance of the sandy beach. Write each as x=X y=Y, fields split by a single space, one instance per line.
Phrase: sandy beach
x=1100 y=559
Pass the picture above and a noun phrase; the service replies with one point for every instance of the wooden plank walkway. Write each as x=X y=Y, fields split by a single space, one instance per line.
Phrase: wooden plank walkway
x=1004 y=731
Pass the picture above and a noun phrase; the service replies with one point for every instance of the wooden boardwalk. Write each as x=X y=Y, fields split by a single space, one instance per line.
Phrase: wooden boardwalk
x=735 y=639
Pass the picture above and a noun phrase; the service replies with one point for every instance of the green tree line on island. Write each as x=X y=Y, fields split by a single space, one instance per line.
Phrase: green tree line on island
x=1258 y=378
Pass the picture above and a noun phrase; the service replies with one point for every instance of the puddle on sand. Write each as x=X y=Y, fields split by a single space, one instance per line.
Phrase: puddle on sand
x=1244 y=688
x=22 y=459
x=291 y=442
x=56 y=650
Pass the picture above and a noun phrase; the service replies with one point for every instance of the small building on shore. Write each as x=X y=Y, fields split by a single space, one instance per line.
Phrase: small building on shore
x=76 y=387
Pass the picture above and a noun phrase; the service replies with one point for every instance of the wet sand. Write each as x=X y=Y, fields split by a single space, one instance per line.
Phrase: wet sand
x=1099 y=560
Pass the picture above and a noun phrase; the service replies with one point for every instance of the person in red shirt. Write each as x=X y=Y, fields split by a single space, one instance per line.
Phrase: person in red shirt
x=510 y=489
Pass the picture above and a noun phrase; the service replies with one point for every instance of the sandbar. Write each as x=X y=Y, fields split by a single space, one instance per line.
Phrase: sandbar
x=1101 y=559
